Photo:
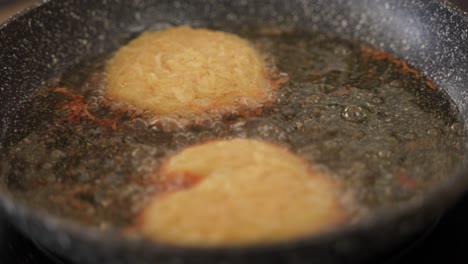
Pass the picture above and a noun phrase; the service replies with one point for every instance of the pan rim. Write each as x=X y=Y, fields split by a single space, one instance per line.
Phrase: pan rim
x=453 y=188
x=19 y=14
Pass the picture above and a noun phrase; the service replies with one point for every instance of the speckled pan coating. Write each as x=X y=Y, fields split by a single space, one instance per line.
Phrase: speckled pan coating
x=40 y=45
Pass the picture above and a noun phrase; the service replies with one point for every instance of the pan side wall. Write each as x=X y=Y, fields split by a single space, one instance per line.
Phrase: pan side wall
x=41 y=45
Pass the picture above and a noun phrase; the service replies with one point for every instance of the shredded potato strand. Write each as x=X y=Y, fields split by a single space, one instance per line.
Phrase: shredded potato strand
x=250 y=192
x=187 y=71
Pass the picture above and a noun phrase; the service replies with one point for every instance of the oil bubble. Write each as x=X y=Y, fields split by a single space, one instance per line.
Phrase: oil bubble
x=314 y=99
x=435 y=131
x=316 y=112
x=396 y=84
x=457 y=129
x=354 y=114
x=167 y=124
x=183 y=138
x=238 y=126
x=410 y=136
x=259 y=127
x=377 y=100
x=384 y=154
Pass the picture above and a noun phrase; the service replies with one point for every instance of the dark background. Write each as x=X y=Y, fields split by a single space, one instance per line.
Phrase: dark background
x=461 y=3
x=447 y=242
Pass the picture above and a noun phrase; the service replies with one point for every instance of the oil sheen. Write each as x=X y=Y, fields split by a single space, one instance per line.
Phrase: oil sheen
x=376 y=124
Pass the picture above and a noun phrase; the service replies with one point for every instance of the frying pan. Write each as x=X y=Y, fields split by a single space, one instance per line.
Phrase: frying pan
x=44 y=42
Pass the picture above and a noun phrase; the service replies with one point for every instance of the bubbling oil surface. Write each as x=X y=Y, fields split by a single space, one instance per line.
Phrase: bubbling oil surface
x=382 y=130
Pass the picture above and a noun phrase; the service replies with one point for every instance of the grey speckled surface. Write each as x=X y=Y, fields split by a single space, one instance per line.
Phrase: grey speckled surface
x=41 y=45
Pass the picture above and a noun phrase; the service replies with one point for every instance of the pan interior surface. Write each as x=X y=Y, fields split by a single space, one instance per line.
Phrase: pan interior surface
x=379 y=127
x=407 y=32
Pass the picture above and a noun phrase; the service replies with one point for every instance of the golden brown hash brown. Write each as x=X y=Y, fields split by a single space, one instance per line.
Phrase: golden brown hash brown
x=247 y=191
x=186 y=71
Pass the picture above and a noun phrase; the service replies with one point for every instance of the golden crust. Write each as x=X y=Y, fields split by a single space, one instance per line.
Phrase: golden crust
x=186 y=71
x=250 y=192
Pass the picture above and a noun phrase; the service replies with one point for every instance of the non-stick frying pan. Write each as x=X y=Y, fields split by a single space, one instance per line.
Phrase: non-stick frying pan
x=47 y=40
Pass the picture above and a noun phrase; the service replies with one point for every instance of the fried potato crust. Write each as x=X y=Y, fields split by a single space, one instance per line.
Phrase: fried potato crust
x=250 y=192
x=184 y=71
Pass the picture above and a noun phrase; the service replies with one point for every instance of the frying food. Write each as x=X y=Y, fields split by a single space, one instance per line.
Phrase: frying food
x=361 y=113
x=240 y=191
x=186 y=71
